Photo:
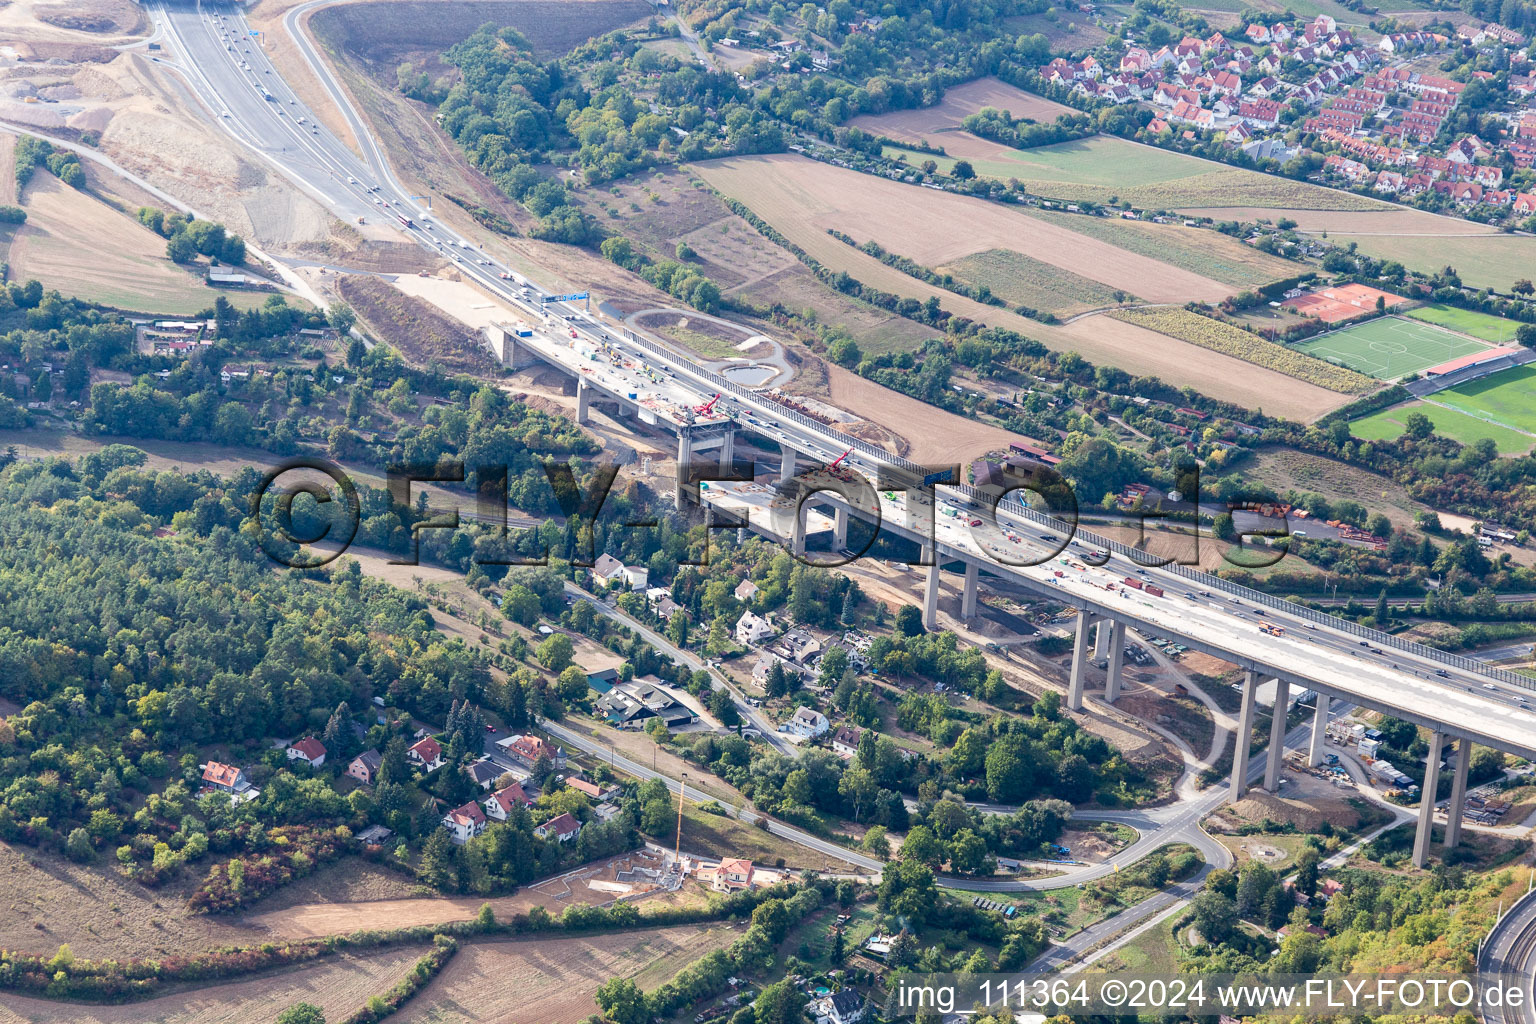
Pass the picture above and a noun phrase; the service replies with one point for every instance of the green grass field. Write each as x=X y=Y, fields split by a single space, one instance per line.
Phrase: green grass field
x=1208 y=253
x=1482 y=261
x=1104 y=167
x=1388 y=425
x=1507 y=398
x=1390 y=347
x=1495 y=329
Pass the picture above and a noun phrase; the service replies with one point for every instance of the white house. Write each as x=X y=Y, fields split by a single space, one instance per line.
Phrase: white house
x=563 y=827
x=309 y=750
x=427 y=753
x=500 y=803
x=464 y=823
x=745 y=591
x=752 y=629
x=807 y=722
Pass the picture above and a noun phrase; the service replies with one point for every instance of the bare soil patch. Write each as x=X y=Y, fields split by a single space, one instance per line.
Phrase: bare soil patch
x=932 y=435
x=102 y=16
x=958 y=103
x=47 y=901
x=422 y=333
x=338 y=987
x=552 y=981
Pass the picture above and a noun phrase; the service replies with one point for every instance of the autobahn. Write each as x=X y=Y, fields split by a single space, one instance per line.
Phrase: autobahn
x=234 y=78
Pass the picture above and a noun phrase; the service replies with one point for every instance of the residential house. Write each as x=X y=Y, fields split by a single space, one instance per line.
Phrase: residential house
x=745 y=591
x=309 y=750
x=428 y=753
x=365 y=767
x=845 y=1006
x=631 y=705
x=733 y=874
x=845 y=742
x=659 y=600
x=464 y=823
x=807 y=722
x=603 y=679
x=752 y=629
x=562 y=827
x=591 y=789
x=225 y=777
x=605 y=811
x=526 y=751
x=797 y=647
x=484 y=772
x=500 y=803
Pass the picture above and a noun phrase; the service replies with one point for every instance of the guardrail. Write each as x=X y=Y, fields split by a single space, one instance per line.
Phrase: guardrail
x=1204 y=579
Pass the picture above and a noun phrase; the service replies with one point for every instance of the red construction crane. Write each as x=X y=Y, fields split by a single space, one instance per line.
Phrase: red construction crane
x=708 y=407
x=840 y=458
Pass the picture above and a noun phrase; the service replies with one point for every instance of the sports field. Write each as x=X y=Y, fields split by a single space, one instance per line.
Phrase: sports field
x=1453 y=423
x=1496 y=329
x=1390 y=347
x=1507 y=398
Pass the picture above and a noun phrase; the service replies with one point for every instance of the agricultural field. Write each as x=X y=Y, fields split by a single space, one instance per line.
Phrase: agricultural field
x=1021 y=280
x=1198 y=250
x=932 y=124
x=1220 y=337
x=1482 y=261
x=1390 y=347
x=1103 y=168
x=338 y=986
x=786 y=192
x=1507 y=398
x=81 y=246
x=1453 y=423
x=804 y=198
x=551 y=980
x=1495 y=329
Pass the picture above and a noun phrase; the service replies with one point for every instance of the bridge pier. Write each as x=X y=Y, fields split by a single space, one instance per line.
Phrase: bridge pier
x=968 y=596
x=1116 y=659
x=727 y=451
x=787 y=466
x=1079 y=662
x=797 y=537
x=1458 y=793
x=684 y=454
x=1244 y=738
x=931 y=588
x=1277 y=735
x=583 y=401
x=1319 y=730
x=840 y=528
x=1426 y=827
x=1101 y=639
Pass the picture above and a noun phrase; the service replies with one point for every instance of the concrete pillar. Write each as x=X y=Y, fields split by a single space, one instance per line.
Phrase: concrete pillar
x=1244 y=736
x=1427 y=800
x=840 y=528
x=787 y=467
x=931 y=590
x=1277 y=736
x=1319 y=730
x=968 y=596
x=1458 y=793
x=797 y=533
x=1079 y=663
x=583 y=401
x=727 y=451
x=1116 y=661
x=1101 y=639
x=684 y=454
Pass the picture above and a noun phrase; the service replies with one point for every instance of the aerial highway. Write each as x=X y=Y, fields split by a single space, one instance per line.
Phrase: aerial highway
x=1450 y=695
x=1510 y=950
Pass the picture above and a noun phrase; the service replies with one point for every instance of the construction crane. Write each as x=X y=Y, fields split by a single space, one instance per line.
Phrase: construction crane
x=842 y=473
x=708 y=407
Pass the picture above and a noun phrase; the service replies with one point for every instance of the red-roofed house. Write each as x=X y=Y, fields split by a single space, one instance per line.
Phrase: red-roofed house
x=224 y=776
x=563 y=827
x=1525 y=203
x=309 y=750
x=464 y=823
x=500 y=803
x=526 y=751
x=733 y=874
x=428 y=753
